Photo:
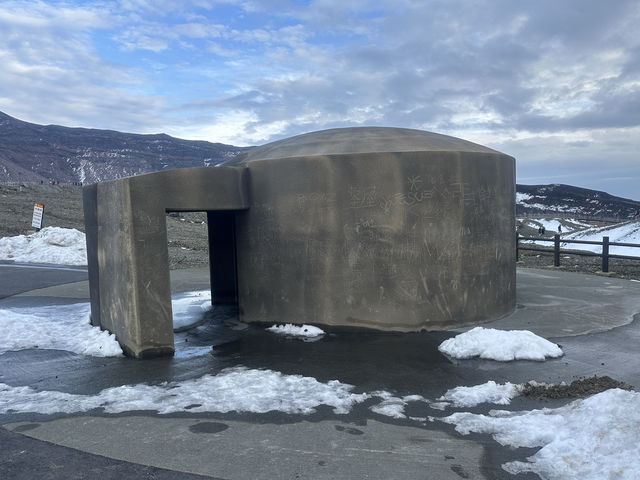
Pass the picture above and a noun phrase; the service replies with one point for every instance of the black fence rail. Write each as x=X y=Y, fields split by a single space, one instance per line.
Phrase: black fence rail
x=557 y=241
x=581 y=217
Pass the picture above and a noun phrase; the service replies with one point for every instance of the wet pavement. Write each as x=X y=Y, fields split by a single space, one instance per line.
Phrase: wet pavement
x=591 y=317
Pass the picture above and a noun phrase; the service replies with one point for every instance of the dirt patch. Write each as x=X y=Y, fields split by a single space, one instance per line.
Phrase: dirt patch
x=187 y=235
x=62 y=207
x=580 y=388
x=188 y=240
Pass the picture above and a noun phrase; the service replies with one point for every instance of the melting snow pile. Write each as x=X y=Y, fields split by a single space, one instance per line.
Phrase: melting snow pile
x=189 y=308
x=490 y=392
x=50 y=245
x=308 y=331
x=587 y=439
x=392 y=406
x=59 y=327
x=236 y=389
x=504 y=346
x=67 y=327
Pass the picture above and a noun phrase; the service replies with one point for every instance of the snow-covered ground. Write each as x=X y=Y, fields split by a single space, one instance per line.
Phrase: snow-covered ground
x=590 y=439
x=551 y=224
x=67 y=327
x=236 y=389
x=624 y=232
x=189 y=307
x=60 y=327
x=61 y=246
x=587 y=439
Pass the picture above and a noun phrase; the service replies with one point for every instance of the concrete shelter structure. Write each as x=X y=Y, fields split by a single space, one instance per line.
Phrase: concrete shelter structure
x=381 y=228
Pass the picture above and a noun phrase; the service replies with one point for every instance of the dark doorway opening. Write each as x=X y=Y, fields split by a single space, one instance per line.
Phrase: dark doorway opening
x=222 y=257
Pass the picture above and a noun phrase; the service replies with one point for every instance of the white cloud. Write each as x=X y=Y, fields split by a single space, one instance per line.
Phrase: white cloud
x=512 y=75
x=52 y=74
x=232 y=127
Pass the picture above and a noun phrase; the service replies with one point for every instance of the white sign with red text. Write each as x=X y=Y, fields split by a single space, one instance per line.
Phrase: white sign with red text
x=38 y=213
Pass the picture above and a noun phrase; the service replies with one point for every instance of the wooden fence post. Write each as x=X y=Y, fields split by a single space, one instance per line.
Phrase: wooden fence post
x=556 y=250
x=605 y=254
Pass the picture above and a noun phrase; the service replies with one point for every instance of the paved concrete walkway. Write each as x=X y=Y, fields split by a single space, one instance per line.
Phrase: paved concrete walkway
x=592 y=317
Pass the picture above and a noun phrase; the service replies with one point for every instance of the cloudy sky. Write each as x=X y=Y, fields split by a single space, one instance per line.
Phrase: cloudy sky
x=555 y=83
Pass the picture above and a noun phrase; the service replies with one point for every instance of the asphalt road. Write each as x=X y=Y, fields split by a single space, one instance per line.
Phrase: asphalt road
x=20 y=277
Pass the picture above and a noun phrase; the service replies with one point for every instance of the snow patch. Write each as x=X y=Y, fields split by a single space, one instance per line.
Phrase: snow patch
x=189 y=308
x=59 y=327
x=587 y=439
x=53 y=245
x=67 y=327
x=500 y=345
x=490 y=392
x=236 y=389
x=290 y=330
x=392 y=406
x=521 y=197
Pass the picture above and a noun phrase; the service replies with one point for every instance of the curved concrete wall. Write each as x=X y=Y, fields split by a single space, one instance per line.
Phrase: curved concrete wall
x=395 y=241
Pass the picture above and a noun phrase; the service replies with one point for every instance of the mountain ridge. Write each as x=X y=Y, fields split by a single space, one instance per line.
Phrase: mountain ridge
x=567 y=199
x=33 y=153
x=51 y=153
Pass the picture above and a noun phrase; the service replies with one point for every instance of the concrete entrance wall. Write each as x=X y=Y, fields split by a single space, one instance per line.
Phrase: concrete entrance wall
x=127 y=247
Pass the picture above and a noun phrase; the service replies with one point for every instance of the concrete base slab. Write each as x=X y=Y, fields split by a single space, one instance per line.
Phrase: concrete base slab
x=245 y=450
x=555 y=304
x=590 y=316
x=25 y=458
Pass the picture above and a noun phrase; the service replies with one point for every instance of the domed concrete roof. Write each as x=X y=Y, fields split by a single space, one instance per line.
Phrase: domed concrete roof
x=338 y=141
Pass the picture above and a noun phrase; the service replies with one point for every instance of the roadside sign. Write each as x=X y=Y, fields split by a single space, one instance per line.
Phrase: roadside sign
x=38 y=212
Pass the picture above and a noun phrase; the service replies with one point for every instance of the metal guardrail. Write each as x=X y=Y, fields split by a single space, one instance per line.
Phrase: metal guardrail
x=605 y=243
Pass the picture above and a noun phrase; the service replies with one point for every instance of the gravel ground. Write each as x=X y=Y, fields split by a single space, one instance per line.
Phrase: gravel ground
x=580 y=388
x=62 y=207
x=187 y=234
x=618 y=268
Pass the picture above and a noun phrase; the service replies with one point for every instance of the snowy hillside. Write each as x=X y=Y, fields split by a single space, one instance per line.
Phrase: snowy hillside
x=572 y=229
x=31 y=153
x=627 y=232
x=574 y=201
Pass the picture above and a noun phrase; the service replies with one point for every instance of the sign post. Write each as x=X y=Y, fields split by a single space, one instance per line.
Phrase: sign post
x=38 y=213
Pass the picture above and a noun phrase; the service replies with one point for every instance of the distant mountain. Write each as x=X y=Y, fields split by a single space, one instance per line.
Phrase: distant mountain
x=568 y=200
x=34 y=153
